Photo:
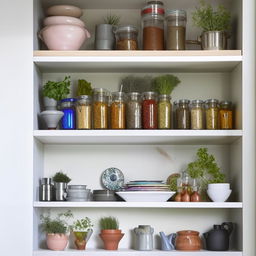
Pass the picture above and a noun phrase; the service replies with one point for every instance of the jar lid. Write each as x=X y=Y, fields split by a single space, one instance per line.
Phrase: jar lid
x=225 y=102
x=211 y=101
x=133 y=94
x=149 y=94
x=127 y=28
x=183 y=101
x=197 y=101
x=99 y=91
x=153 y=7
x=68 y=100
x=118 y=94
x=156 y=2
x=84 y=97
x=176 y=13
x=165 y=96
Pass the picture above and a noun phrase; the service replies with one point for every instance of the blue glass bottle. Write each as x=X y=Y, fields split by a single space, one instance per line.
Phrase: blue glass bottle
x=68 y=121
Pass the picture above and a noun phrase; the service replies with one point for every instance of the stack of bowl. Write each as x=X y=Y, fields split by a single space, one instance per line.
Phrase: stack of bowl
x=78 y=193
x=63 y=29
x=104 y=195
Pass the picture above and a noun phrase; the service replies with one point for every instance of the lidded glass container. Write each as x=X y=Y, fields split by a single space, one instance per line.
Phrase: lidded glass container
x=197 y=115
x=164 y=111
x=118 y=110
x=149 y=110
x=84 y=112
x=153 y=26
x=133 y=111
x=126 y=38
x=211 y=114
x=68 y=121
x=100 y=108
x=182 y=114
x=176 y=29
x=226 y=115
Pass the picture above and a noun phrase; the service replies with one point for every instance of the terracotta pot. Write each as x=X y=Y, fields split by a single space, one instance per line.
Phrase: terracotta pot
x=111 y=238
x=56 y=242
x=188 y=240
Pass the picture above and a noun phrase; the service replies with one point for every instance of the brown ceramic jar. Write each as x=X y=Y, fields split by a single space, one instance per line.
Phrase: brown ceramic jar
x=188 y=240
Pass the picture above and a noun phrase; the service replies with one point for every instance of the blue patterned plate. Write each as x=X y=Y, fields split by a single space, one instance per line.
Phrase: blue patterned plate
x=112 y=179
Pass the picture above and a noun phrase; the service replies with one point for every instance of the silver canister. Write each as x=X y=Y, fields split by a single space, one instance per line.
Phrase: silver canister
x=46 y=190
x=214 y=40
x=60 y=191
x=144 y=238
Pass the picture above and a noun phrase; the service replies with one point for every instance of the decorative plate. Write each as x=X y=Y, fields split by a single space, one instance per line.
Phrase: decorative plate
x=112 y=179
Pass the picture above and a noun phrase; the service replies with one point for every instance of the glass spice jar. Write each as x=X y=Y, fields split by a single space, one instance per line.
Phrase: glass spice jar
x=225 y=115
x=100 y=109
x=182 y=114
x=149 y=110
x=68 y=121
x=126 y=38
x=84 y=112
x=197 y=115
x=164 y=111
x=176 y=29
x=133 y=111
x=211 y=114
x=118 y=110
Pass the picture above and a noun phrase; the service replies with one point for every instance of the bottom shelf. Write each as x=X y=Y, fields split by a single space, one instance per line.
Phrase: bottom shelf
x=101 y=252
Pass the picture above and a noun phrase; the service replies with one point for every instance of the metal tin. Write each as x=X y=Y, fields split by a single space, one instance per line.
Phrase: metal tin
x=46 y=190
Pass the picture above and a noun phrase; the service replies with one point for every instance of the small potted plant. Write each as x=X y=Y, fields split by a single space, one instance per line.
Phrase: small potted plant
x=214 y=24
x=82 y=230
x=56 y=230
x=110 y=233
x=61 y=181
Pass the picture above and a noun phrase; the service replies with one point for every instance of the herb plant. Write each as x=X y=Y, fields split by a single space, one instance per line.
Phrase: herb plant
x=61 y=177
x=209 y=19
x=57 y=90
x=136 y=84
x=165 y=84
x=112 y=19
x=82 y=224
x=109 y=223
x=84 y=88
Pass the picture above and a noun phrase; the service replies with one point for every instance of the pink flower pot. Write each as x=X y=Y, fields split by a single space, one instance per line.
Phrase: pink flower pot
x=56 y=242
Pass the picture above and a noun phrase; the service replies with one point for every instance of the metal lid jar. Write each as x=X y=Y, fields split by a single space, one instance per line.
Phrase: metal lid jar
x=133 y=110
x=126 y=38
x=197 y=115
x=211 y=114
x=68 y=121
x=164 y=111
x=118 y=110
x=84 y=112
x=182 y=114
x=226 y=115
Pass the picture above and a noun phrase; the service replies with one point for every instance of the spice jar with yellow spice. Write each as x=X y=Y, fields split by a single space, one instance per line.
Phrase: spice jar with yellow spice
x=118 y=110
x=211 y=114
x=164 y=111
x=84 y=112
x=197 y=115
x=100 y=109
x=226 y=115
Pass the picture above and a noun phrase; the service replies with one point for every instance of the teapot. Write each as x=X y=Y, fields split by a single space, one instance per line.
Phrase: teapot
x=217 y=239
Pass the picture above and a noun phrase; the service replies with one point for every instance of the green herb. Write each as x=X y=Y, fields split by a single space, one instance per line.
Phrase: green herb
x=82 y=224
x=112 y=19
x=136 y=84
x=165 y=84
x=109 y=223
x=209 y=20
x=172 y=181
x=57 y=90
x=61 y=177
x=84 y=88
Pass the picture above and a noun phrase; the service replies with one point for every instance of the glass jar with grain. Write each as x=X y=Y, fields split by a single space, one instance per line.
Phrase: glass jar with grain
x=84 y=112
x=149 y=110
x=133 y=111
x=197 y=115
x=176 y=29
x=211 y=114
x=126 y=38
x=100 y=109
x=226 y=115
x=164 y=111
x=153 y=26
x=183 y=114
x=118 y=110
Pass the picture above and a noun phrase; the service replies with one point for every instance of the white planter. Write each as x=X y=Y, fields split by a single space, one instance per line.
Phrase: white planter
x=219 y=192
x=51 y=118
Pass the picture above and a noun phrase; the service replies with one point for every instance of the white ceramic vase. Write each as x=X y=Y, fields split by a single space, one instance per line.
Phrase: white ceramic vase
x=51 y=118
x=219 y=192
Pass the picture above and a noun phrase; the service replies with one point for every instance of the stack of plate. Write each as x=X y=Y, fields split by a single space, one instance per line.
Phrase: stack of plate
x=78 y=193
x=146 y=185
x=104 y=195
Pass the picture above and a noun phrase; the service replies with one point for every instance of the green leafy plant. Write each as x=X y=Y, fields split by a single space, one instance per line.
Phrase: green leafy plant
x=109 y=223
x=82 y=224
x=165 y=84
x=112 y=19
x=57 y=90
x=209 y=19
x=136 y=84
x=57 y=225
x=84 y=88
x=61 y=177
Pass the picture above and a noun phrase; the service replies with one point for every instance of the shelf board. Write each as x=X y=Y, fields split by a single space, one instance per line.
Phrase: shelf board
x=134 y=137
x=137 y=61
x=180 y=205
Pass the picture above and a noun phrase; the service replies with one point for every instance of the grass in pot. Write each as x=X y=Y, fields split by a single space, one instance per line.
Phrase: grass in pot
x=60 y=184
x=110 y=233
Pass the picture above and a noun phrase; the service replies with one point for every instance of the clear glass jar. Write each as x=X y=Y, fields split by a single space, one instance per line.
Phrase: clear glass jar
x=84 y=112
x=68 y=121
x=118 y=110
x=197 y=115
x=183 y=114
x=153 y=26
x=211 y=114
x=133 y=111
x=100 y=108
x=164 y=111
x=149 y=110
x=226 y=115
x=126 y=38
x=176 y=30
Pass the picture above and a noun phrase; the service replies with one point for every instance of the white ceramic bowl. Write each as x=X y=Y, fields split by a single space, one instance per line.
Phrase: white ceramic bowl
x=63 y=20
x=64 y=10
x=219 y=196
x=64 y=37
x=222 y=186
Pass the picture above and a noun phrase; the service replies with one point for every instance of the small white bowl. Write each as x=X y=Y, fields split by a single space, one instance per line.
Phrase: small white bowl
x=63 y=20
x=219 y=196
x=64 y=10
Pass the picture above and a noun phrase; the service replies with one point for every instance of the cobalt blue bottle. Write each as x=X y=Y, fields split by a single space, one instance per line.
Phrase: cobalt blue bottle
x=68 y=121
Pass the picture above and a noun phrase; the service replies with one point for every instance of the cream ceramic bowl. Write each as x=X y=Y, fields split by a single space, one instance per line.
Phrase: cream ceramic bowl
x=63 y=20
x=63 y=37
x=64 y=10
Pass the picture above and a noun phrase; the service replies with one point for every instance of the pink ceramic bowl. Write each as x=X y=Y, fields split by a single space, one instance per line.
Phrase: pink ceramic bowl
x=63 y=37
x=64 y=10
x=63 y=20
